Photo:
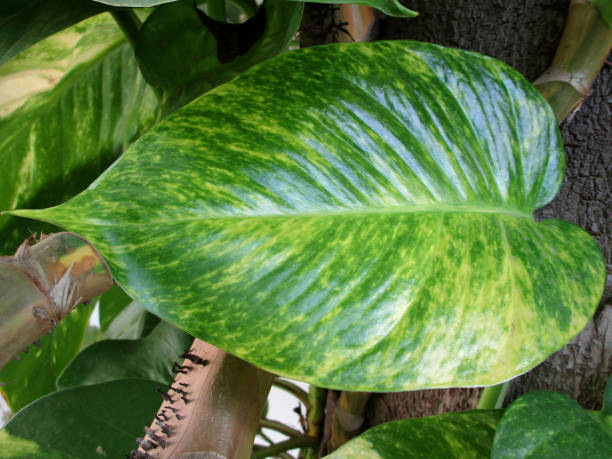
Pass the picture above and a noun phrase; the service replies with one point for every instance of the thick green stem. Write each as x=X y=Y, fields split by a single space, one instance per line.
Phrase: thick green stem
x=348 y=417
x=216 y=10
x=42 y=283
x=275 y=450
x=316 y=415
x=492 y=397
x=129 y=24
x=584 y=46
x=280 y=427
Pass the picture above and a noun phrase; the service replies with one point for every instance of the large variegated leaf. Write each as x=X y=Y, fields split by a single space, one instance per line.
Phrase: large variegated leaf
x=55 y=140
x=358 y=216
x=548 y=424
x=459 y=435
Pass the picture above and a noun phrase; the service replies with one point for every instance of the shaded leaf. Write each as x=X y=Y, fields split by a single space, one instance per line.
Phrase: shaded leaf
x=102 y=420
x=23 y=23
x=182 y=51
x=605 y=9
x=35 y=373
x=465 y=435
x=149 y=358
x=389 y=7
x=132 y=322
x=548 y=424
x=357 y=216
x=112 y=303
x=59 y=140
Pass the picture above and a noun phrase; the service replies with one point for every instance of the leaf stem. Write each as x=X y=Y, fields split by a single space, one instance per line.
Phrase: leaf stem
x=492 y=397
x=274 y=450
x=582 y=51
x=293 y=389
x=129 y=24
x=280 y=427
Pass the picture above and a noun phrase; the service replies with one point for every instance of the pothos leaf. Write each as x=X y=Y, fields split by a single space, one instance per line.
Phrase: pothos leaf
x=183 y=52
x=55 y=142
x=548 y=424
x=149 y=358
x=466 y=435
x=101 y=420
x=357 y=216
x=24 y=23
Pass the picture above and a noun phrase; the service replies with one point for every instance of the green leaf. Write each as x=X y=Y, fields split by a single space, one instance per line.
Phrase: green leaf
x=149 y=358
x=132 y=322
x=182 y=51
x=35 y=373
x=465 y=435
x=59 y=140
x=103 y=420
x=23 y=23
x=548 y=424
x=389 y=7
x=357 y=216
x=112 y=303
x=605 y=9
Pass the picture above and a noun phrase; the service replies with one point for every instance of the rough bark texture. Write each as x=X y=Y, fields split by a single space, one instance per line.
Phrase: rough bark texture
x=525 y=34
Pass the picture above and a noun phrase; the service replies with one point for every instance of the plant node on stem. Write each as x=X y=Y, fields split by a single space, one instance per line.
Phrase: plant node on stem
x=42 y=283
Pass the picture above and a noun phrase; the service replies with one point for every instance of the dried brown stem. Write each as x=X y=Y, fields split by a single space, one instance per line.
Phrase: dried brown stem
x=42 y=283
x=212 y=409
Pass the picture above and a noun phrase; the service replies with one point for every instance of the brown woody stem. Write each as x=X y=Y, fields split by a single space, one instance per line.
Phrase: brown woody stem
x=583 y=49
x=42 y=283
x=212 y=409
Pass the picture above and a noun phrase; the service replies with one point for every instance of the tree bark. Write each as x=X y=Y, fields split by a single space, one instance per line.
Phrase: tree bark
x=525 y=34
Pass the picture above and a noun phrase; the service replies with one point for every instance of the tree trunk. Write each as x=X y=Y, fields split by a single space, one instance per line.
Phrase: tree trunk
x=525 y=34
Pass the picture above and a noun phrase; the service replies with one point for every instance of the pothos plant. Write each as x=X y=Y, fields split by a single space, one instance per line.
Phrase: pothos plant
x=356 y=216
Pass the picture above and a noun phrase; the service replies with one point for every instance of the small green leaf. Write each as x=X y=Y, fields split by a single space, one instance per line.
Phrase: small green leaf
x=112 y=303
x=149 y=358
x=466 y=435
x=357 y=216
x=389 y=7
x=55 y=142
x=605 y=9
x=133 y=322
x=102 y=420
x=23 y=23
x=549 y=424
x=35 y=373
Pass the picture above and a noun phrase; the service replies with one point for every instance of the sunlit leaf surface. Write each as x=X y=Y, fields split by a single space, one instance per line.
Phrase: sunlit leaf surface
x=548 y=424
x=357 y=216
x=467 y=435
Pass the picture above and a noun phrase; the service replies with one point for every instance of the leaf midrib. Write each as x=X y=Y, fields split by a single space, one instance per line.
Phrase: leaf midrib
x=41 y=214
